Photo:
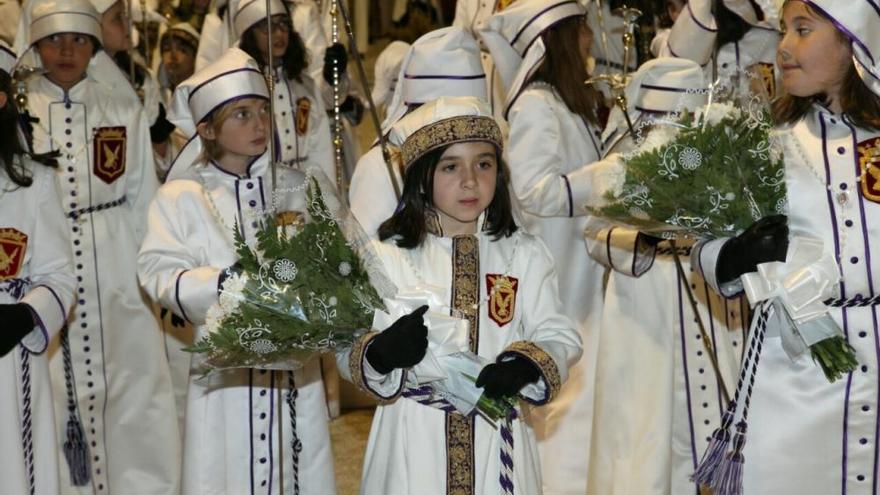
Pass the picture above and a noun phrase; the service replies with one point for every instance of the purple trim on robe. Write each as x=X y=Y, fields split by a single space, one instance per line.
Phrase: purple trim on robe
x=697 y=22
x=251 y=423
x=271 y=393
x=687 y=380
x=177 y=296
x=454 y=78
x=570 y=200
x=262 y=194
x=608 y=247
x=241 y=226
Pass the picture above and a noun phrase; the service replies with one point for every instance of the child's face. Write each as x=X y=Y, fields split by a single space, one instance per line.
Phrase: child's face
x=464 y=185
x=280 y=36
x=813 y=57
x=178 y=58
x=114 y=29
x=244 y=132
x=65 y=57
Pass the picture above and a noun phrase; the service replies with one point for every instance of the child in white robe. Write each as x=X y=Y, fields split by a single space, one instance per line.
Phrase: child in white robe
x=241 y=424
x=455 y=241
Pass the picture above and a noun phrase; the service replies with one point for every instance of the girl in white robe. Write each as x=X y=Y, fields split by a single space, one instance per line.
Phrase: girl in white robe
x=36 y=292
x=117 y=380
x=806 y=435
x=241 y=424
x=458 y=243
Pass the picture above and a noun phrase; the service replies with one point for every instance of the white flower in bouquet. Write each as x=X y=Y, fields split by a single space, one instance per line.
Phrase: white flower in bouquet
x=716 y=112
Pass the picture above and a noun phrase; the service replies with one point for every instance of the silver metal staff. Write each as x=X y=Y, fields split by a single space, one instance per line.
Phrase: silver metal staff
x=269 y=74
x=362 y=74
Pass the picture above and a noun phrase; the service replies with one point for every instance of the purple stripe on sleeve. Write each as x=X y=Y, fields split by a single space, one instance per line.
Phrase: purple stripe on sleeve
x=697 y=22
x=570 y=200
x=177 y=296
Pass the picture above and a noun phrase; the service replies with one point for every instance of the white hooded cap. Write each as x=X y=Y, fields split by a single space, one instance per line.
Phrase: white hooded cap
x=50 y=17
x=513 y=36
x=386 y=71
x=250 y=12
x=444 y=62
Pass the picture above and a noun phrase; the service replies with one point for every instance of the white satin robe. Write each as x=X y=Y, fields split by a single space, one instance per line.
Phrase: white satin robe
x=122 y=381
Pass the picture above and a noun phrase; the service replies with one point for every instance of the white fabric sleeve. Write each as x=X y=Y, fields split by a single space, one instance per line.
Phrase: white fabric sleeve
x=141 y=182
x=167 y=271
x=51 y=266
x=549 y=340
x=371 y=194
x=535 y=162
x=621 y=249
x=693 y=34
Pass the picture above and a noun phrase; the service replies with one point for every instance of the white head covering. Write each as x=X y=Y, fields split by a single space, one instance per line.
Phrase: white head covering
x=661 y=85
x=859 y=20
x=250 y=12
x=102 y=5
x=186 y=28
x=444 y=121
x=387 y=68
x=7 y=58
x=513 y=36
x=235 y=75
x=444 y=62
x=50 y=17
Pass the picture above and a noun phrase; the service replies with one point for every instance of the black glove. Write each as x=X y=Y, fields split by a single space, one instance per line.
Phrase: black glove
x=176 y=321
x=335 y=54
x=507 y=378
x=766 y=240
x=402 y=345
x=18 y=321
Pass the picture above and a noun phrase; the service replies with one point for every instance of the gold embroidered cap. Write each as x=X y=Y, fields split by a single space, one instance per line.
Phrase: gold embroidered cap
x=442 y=122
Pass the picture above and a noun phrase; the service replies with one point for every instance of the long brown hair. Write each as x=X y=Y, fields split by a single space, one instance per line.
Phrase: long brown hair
x=857 y=102
x=565 y=69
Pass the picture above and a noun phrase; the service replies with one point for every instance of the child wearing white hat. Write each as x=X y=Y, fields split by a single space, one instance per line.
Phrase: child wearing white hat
x=454 y=247
x=444 y=62
x=36 y=293
x=244 y=427
x=111 y=374
x=804 y=434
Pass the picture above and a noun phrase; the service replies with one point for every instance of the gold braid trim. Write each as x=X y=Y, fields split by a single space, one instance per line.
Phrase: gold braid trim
x=356 y=367
x=543 y=362
x=449 y=131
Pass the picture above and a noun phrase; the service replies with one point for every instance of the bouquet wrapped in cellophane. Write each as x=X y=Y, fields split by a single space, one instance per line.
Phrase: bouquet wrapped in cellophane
x=308 y=286
x=712 y=173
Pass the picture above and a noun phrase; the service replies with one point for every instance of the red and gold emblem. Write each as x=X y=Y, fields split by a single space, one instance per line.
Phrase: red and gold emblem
x=869 y=164
x=502 y=297
x=13 y=245
x=109 y=153
x=303 y=107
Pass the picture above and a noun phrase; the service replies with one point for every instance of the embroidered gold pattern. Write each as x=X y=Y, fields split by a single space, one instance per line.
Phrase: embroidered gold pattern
x=460 y=429
x=869 y=164
x=13 y=246
x=449 y=131
x=543 y=361
x=356 y=367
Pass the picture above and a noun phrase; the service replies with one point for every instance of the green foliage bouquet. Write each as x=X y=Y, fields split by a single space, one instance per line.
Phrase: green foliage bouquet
x=711 y=173
x=295 y=295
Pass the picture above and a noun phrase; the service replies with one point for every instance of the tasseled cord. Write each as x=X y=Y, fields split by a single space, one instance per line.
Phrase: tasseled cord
x=705 y=473
x=730 y=473
x=76 y=451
